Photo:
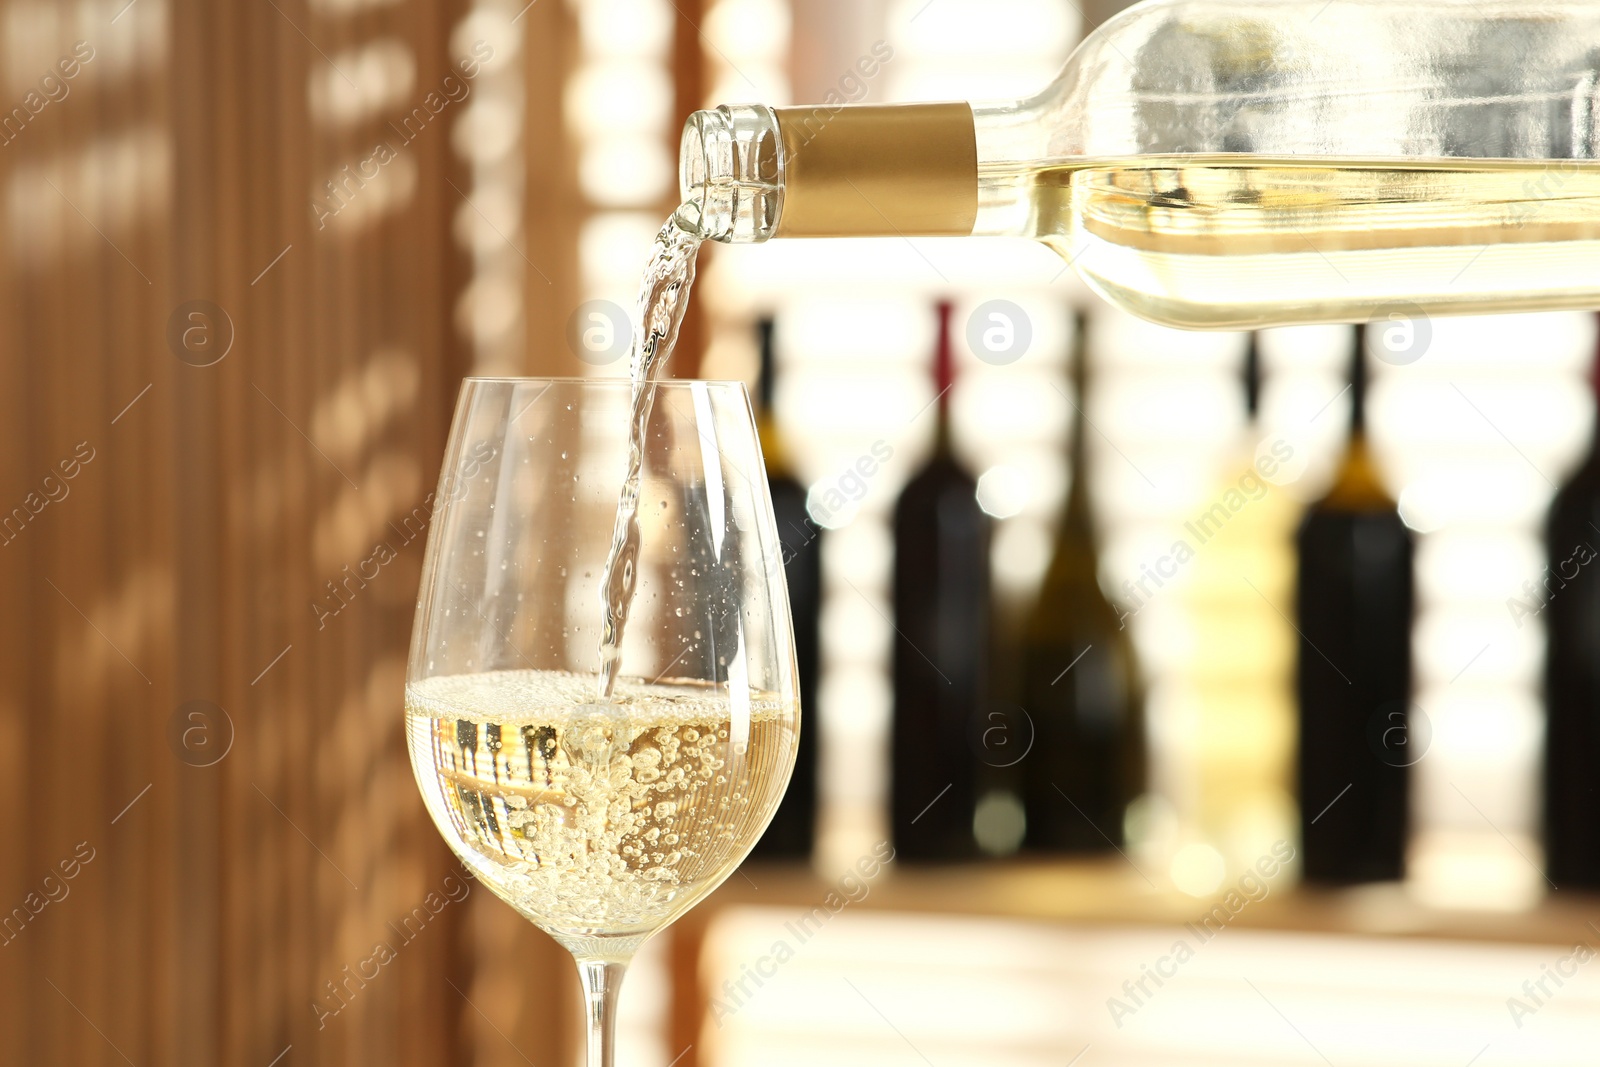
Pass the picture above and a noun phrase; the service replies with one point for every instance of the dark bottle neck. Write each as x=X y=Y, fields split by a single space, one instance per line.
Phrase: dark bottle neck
x=765 y=383
x=1358 y=386
x=944 y=378
x=1075 y=564
x=1075 y=520
x=1252 y=380
x=766 y=413
x=1594 y=387
x=1358 y=486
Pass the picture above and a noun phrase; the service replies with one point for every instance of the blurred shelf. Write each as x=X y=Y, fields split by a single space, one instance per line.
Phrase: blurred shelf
x=1397 y=980
x=1111 y=892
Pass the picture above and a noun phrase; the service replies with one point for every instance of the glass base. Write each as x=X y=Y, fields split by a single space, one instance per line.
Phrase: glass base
x=618 y=949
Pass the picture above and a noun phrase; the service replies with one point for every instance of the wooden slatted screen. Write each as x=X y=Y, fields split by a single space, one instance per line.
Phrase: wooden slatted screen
x=210 y=822
x=230 y=345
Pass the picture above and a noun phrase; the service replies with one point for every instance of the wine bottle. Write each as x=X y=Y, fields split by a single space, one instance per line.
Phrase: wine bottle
x=1568 y=595
x=791 y=833
x=1353 y=611
x=1169 y=161
x=1080 y=684
x=1236 y=563
x=941 y=605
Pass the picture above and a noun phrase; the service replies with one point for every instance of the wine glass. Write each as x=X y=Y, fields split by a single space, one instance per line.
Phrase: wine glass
x=601 y=820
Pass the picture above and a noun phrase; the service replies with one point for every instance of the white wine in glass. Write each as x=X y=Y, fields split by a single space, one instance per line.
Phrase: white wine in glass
x=601 y=819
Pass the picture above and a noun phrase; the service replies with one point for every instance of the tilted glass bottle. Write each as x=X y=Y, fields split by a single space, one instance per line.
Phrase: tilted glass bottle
x=1225 y=165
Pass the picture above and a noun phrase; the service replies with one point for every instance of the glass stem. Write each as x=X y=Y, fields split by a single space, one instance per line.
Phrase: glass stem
x=602 y=979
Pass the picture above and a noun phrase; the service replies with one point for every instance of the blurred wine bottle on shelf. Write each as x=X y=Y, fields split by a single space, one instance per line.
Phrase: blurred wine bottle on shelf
x=941 y=615
x=1080 y=686
x=791 y=833
x=1354 y=613
x=1235 y=796
x=1571 y=599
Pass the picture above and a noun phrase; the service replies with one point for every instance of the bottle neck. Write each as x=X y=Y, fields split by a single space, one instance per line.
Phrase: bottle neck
x=1358 y=387
x=1075 y=522
x=773 y=451
x=1594 y=387
x=1075 y=562
x=748 y=173
x=772 y=448
x=944 y=380
x=1358 y=486
x=766 y=383
x=1252 y=381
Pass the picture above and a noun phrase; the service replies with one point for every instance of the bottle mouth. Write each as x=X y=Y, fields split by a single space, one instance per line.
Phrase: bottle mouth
x=694 y=171
x=730 y=173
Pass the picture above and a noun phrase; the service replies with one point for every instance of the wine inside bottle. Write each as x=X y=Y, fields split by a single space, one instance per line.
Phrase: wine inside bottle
x=941 y=612
x=1568 y=595
x=1080 y=685
x=791 y=833
x=1354 y=613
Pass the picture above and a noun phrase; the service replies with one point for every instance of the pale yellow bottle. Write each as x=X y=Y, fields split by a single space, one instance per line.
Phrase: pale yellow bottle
x=1233 y=699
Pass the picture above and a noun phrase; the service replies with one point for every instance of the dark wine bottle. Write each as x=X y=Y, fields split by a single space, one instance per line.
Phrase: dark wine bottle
x=791 y=833
x=1080 y=685
x=1353 y=673
x=941 y=615
x=1568 y=594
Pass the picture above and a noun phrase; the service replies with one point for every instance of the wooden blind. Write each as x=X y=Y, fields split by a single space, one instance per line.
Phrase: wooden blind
x=238 y=305
x=223 y=394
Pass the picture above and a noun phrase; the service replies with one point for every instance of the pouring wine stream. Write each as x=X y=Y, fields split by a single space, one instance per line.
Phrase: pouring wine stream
x=663 y=299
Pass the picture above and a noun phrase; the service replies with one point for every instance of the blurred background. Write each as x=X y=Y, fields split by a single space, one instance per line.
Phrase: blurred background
x=253 y=246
